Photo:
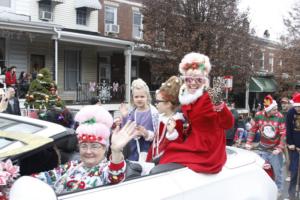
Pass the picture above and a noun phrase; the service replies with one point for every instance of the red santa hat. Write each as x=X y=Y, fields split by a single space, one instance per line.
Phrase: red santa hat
x=296 y=100
x=269 y=103
x=94 y=124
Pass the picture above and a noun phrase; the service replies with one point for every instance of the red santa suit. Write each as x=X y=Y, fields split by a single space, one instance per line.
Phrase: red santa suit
x=204 y=148
x=163 y=137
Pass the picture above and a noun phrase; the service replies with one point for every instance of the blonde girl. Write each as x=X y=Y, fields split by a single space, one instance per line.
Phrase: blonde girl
x=146 y=117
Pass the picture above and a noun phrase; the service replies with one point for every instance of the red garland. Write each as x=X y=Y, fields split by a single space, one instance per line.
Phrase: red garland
x=89 y=138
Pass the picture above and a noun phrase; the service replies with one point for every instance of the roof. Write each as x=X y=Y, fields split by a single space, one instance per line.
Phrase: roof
x=262 y=84
x=91 y=4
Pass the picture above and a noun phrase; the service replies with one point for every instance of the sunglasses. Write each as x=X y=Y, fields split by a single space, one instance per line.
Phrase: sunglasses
x=191 y=79
x=156 y=101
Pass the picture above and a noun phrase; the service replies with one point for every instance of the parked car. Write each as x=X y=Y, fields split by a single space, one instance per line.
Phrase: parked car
x=242 y=177
x=35 y=145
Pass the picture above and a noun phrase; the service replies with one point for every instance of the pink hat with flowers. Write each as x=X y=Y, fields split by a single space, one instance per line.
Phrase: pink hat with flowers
x=195 y=64
x=94 y=124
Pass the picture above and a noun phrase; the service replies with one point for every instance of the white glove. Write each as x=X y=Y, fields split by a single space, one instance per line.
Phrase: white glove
x=248 y=146
x=291 y=147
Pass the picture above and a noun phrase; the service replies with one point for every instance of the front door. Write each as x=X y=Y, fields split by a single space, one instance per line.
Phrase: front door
x=104 y=70
x=37 y=62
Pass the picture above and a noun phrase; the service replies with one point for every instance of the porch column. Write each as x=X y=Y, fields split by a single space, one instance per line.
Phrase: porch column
x=56 y=60
x=56 y=37
x=247 y=97
x=127 y=53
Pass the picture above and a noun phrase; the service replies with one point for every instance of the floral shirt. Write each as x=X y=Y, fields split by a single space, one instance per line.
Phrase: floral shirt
x=74 y=176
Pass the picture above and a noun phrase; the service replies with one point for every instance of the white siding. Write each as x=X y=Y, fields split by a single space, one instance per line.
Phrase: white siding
x=25 y=7
x=42 y=47
x=63 y=14
x=17 y=54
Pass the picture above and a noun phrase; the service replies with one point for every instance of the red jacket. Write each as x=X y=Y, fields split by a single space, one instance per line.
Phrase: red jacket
x=10 y=79
x=161 y=141
x=204 y=149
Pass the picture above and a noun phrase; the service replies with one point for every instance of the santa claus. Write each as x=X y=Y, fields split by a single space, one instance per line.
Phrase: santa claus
x=204 y=148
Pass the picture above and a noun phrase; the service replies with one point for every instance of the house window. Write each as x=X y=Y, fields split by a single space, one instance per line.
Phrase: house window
x=72 y=69
x=280 y=63
x=262 y=60
x=271 y=61
x=2 y=53
x=134 y=68
x=160 y=38
x=5 y=3
x=137 y=25
x=45 y=11
x=110 y=15
x=81 y=16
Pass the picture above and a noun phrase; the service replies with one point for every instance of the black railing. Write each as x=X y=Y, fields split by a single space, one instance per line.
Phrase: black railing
x=105 y=92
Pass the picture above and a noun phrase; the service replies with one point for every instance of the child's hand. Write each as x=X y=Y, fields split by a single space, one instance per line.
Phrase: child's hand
x=117 y=123
x=142 y=131
x=171 y=125
x=124 y=110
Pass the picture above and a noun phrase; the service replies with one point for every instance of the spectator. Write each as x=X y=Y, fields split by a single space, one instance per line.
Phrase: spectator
x=10 y=77
x=13 y=106
x=24 y=80
x=60 y=116
x=94 y=101
x=3 y=70
x=35 y=71
x=285 y=106
x=241 y=133
x=271 y=125
x=293 y=143
x=3 y=100
x=230 y=133
x=2 y=76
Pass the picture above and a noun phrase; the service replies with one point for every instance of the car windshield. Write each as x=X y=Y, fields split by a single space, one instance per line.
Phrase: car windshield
x=9 y=125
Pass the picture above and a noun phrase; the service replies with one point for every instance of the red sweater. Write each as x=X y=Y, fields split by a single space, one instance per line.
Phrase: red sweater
x=10 y=79
x=204 y=149
x=162 y=139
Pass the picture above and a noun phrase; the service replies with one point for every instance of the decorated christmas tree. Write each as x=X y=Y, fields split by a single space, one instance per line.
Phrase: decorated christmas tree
x=42 y=93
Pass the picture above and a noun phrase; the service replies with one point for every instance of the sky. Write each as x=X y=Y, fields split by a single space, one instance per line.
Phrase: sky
x=267 y=14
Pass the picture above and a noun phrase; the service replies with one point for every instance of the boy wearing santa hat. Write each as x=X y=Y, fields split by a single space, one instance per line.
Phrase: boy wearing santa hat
x=271 y=125
x=293 y=142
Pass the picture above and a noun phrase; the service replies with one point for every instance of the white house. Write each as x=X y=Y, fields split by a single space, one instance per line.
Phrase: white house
x=63 y=36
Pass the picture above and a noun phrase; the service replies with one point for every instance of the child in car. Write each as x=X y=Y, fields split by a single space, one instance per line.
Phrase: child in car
x=146 y=117
x=170 y=121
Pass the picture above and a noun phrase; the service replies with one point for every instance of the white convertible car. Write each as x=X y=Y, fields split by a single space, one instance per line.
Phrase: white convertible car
x=30 y=142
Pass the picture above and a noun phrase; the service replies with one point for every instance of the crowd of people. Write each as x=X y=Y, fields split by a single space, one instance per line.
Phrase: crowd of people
x=186 y=127
x=20 y=84
x=274 y=134
x=179 y=130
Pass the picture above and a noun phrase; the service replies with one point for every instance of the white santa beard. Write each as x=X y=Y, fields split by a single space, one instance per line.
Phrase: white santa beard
x=187 y=98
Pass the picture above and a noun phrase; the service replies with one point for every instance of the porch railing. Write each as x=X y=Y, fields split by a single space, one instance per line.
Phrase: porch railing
x=105 y=92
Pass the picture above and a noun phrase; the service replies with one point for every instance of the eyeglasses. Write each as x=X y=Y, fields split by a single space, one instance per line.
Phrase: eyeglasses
x=91 y=146
x=190 y=79
x=156 y=101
